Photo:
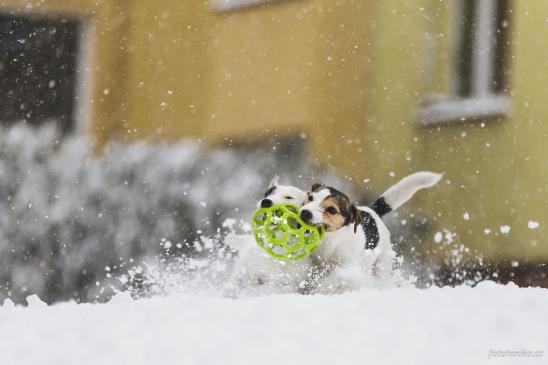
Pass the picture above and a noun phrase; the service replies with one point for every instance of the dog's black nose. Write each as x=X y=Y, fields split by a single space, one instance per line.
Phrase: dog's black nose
x=306 y=215
x=266 y=203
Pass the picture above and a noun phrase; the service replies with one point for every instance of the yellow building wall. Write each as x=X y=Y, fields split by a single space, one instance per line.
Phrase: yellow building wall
x=244 y=73
x=351 y=75
x=496 y=173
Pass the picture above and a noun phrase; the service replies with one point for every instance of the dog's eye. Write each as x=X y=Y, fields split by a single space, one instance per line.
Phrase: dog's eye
x=288 y=197
x=331 y=210
x=310 y=197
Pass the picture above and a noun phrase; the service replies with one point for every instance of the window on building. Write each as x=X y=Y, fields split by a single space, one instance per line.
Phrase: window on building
x=224 y=5
x=38 y=58
x=478 y=76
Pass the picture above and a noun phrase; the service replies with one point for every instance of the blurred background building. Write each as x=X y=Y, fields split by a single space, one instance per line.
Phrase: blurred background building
x=374 y=90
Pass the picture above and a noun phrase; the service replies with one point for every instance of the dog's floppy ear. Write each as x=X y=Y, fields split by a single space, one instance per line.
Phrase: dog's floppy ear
x=317 y=187
x=275 y=181
x=356 y=217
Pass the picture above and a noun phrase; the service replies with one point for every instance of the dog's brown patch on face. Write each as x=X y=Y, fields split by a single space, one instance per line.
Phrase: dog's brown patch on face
x=332 y=213
x=338 y=211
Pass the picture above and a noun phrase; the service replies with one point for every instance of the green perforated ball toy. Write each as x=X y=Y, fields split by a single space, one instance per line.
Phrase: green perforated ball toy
x=282 y=233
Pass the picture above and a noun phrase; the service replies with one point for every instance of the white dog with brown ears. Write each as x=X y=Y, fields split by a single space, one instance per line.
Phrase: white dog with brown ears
x=356 y=235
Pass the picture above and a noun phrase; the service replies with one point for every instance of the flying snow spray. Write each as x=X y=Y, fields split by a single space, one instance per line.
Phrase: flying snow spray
x=282 y=233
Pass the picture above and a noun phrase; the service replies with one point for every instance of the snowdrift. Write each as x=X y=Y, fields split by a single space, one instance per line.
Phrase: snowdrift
x=487 y=324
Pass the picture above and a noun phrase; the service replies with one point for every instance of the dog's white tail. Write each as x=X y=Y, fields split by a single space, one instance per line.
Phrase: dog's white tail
x=403 y=190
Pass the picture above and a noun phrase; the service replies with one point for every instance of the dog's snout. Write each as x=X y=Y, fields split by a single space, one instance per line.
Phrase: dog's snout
x=266 y=203
x=306 y=215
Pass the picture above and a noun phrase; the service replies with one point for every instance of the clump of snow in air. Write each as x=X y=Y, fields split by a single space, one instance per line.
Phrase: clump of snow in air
x=533 y=224
x=505 y=229
x=438 y=237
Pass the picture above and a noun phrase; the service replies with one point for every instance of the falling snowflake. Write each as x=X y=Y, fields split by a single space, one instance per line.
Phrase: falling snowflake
x=505 y=229
x=533 y=224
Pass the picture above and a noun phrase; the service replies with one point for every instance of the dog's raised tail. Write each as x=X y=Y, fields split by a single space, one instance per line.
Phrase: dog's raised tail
x=403 y=190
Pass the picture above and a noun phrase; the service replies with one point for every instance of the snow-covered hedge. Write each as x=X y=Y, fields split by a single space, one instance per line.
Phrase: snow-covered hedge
x=69 y=219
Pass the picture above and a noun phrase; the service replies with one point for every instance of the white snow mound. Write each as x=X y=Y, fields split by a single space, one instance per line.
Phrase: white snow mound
x=371 y=326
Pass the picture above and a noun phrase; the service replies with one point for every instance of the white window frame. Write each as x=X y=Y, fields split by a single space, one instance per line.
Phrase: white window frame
x=228 y=5
x=84 y=78
x=483 y=103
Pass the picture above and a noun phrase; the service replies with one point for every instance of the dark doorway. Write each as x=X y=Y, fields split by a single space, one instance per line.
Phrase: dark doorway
x=38 y=66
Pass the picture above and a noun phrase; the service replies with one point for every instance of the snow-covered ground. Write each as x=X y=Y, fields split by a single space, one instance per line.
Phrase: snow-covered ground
x=371 y=326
